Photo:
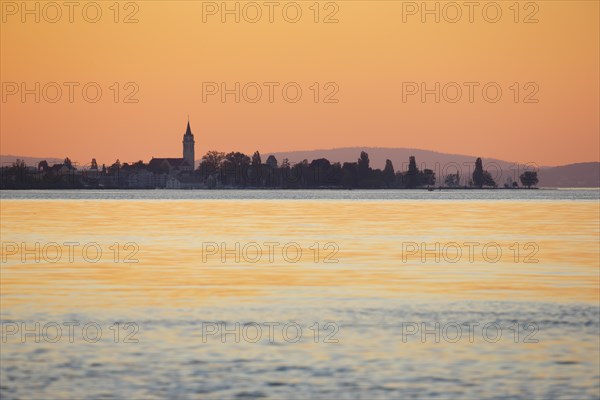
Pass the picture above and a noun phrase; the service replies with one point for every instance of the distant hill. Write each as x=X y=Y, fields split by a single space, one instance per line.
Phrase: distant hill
x=572 y=175
x=31 y=161
x=378 y=155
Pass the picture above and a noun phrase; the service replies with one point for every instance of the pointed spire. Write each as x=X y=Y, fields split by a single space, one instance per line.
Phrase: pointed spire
x=188 y=131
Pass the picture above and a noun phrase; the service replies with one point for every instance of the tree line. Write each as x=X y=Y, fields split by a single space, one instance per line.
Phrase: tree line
x=238 y=170
x=235 y=169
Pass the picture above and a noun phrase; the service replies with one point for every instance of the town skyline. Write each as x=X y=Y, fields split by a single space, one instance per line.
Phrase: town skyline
x=233 y=169
x=31 y=159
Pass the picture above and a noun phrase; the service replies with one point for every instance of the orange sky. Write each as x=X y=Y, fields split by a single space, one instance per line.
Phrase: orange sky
x=369 y=53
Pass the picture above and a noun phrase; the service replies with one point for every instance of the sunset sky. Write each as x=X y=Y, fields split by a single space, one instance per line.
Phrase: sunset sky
x=367 y=54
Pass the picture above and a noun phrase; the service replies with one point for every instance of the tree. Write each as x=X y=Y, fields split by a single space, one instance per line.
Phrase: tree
x=213 y=159
x=412 y=175
x=43 y=166
x=272 y=161
x=19 y=165
x=428 y=177
x=254 y=173
x=210 y=164
x=488 y=180
x=68 y=163
x=363 y=170
x=363 y=160
x=529 y=179
x=297 y=175
x=349 y=175
x=318 y=170
x=115 y=168
x=234 y=170
x=363 y=165
x=19 y=172
x=452 y=180
x=482 y=178
x=94 y=164
x=334 y=174
x=238 y=159
x=412 y=165
x=389 y=175
x=256 y=161
x=478 y=175
x=211 y=182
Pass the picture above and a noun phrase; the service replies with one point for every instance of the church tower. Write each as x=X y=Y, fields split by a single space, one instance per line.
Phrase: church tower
x=188 y=146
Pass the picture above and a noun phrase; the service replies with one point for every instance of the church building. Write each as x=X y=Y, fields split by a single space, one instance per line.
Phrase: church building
x=174 y=165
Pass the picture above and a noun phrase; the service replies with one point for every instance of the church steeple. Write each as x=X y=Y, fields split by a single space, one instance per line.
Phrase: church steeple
x=188 y=146
x=188 y=131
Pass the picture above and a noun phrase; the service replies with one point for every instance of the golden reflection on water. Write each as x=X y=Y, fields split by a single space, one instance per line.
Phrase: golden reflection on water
x=369 y=234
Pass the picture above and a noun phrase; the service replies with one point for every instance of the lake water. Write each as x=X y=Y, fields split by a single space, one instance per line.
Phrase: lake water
x=300 y=294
